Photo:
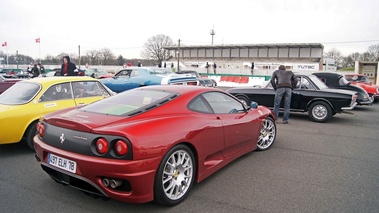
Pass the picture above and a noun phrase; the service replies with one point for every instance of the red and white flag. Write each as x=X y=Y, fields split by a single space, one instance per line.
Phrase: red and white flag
x=4 y=44
x=38 y=40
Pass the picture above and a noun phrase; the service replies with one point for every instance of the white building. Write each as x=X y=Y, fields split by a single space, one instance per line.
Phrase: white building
x=247 y=59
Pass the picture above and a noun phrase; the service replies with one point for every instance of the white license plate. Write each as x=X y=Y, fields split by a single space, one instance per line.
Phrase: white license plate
x=61 y=163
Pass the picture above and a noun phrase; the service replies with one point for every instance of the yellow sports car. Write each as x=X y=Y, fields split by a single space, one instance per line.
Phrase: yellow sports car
x=22 y=105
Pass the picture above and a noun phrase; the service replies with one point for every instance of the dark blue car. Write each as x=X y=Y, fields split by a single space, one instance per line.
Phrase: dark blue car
x=145 y=76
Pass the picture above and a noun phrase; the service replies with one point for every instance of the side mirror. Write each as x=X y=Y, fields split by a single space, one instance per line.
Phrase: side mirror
x=253 y=105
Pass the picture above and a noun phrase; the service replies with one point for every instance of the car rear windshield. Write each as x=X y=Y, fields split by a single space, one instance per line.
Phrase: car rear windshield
x=160 y=71
x=19 y=93
x=130 y=102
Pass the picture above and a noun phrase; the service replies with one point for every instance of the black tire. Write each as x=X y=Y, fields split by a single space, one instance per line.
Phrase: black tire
x=320 y=111
x=168 y=179
x=245 y=100
x=30 y=133
x=267 y=134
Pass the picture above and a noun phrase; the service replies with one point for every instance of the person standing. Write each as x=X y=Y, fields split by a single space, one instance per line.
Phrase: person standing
x=283 y=82
x=139 y=64
x=35 y=71
x=41 y=68
x=87 y=66
x=252 y=68
x=214 y=67
x=68 y=68
x=29 y=69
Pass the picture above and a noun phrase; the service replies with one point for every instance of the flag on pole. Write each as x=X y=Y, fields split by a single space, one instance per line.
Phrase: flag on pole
x=4 y=44
x=38 y=40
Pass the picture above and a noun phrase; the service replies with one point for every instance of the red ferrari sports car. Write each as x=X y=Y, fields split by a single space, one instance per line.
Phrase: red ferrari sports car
x=150 y=143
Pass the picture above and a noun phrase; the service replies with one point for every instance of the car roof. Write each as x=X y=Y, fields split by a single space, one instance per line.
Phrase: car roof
x=355 y=74
x=59 y=79
x=326 y=73
x=182 y=88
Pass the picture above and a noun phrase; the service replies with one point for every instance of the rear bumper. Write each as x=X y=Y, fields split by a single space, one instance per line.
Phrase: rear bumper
x=138 y=175
x=351 y=107
x=367 y=101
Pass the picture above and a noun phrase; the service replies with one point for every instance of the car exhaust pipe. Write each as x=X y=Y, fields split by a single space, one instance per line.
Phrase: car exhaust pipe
x=348 y=112
x=115 y=183
x=37 y=157
x=105 y=182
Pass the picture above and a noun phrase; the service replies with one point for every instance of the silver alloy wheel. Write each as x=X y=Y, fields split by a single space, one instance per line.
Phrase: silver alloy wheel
x=267 y=134
x=319 y=111
x=177 y=175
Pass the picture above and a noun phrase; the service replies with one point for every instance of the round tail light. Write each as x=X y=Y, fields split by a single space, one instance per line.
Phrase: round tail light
x=102 y=145
x=121 y=147
x=41 y=129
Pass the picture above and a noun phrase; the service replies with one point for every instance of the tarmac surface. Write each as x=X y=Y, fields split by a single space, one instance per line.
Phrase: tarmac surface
x=311 y=167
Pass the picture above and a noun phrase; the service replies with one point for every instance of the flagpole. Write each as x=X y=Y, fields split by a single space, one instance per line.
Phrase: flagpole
x=7 y=54
x=39 y=45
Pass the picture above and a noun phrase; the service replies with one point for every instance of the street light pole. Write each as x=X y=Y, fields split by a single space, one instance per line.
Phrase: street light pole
x=178 y=54
x=212 y=34
x=17 y=59
x=79 y=56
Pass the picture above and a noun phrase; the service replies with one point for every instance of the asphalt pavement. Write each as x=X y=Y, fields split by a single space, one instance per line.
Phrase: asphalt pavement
x=311 y=167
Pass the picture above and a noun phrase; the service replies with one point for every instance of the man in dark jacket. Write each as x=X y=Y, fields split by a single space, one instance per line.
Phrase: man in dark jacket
x=41 y=68
x=35 y=71
x=68 y=68
x=283 y=81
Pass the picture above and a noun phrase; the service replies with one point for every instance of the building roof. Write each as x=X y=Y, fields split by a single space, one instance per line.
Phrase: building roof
x=248 y=46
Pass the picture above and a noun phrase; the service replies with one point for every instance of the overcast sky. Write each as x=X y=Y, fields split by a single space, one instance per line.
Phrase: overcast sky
x=124 y=26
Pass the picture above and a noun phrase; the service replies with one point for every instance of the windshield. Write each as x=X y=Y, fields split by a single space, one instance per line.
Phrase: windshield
x=19 y=93
x=357 y=78
x=128 y=102
x=343 y=81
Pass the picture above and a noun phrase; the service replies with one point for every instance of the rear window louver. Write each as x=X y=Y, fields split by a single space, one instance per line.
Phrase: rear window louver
x=148 y=108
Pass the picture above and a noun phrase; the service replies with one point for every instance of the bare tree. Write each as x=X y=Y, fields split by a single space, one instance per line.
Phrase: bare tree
x=373 y=50
x=356 y=56
x=93 y=56
x=365 y=56
x=347 y=61
x=107 y=56
x=350 y=60
x=153 y=48
x=336 y=55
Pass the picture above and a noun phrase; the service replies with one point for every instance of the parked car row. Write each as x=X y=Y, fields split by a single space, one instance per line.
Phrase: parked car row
x=320 y=94
x=73 y=131
x=150 y=143
x=363 y=81
x=311 y=95
x=202 y=81
x=134 y=77
x=337 y=81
